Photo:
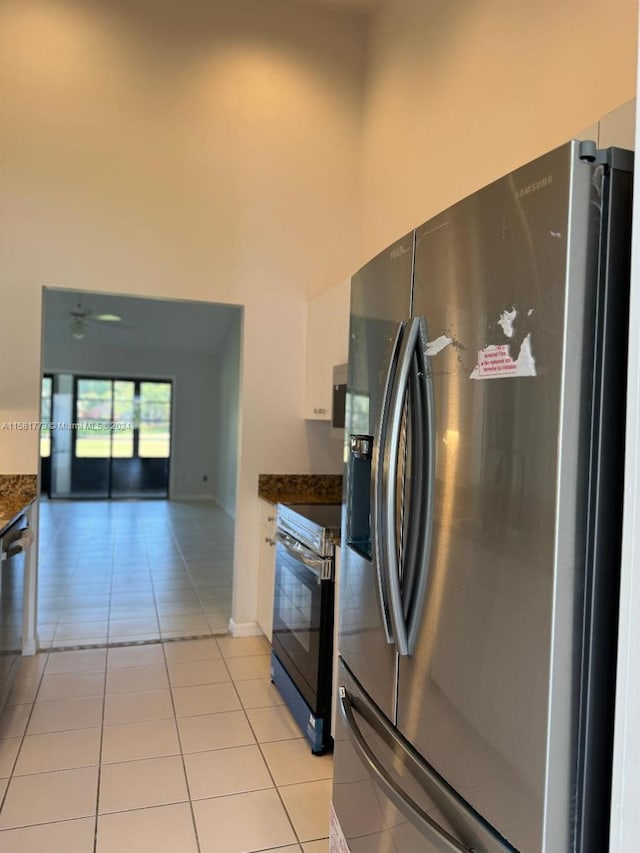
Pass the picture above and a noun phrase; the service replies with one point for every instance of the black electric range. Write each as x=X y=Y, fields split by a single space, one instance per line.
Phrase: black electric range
x=302 y=643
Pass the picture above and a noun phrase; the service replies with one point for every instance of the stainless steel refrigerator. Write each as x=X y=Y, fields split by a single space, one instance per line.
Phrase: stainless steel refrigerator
x=481 y=525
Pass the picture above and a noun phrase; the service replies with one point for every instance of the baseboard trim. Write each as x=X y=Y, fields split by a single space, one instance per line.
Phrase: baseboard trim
x=244 y=629
x=230 y=514
x=200 y=497
x=30 y=647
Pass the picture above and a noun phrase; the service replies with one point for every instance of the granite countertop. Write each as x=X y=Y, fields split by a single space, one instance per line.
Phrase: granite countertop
x=300 y=488
x=17 y=491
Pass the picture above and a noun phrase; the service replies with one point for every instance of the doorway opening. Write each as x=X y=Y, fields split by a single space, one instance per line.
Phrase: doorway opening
x=139 y=460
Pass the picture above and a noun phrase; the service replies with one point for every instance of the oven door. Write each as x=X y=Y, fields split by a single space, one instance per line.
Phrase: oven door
x=303 y=620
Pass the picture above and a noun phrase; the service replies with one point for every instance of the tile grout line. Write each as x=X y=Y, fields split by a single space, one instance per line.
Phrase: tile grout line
x=57 y=535
x=185 y=562
x=58 y=615
x=152 y=586
x=113 y=543
x=114 y=539
x=153 y=590
x=262 y=755
x=45 y=772
x=24 y=735
x=73 y=581
x=104 y=701
x=153 y=595
x=184 y=766
x=257 y=743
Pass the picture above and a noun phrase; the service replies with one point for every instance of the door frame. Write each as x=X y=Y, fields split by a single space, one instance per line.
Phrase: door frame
x=42 y=479
x=128 y=377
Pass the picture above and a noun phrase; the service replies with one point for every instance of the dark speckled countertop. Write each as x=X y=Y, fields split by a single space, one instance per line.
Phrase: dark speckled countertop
x=300 y=488
x=17 y=491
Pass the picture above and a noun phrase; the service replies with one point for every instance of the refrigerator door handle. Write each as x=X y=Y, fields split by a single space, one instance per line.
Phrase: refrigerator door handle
x=409 y=808
x=379 y=533
x=410 y=342
x=422 y=512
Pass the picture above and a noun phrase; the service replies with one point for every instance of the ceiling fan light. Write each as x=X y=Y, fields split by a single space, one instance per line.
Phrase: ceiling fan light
x=77 y=328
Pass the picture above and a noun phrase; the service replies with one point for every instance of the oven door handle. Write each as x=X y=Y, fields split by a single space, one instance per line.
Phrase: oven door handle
x=322 y=567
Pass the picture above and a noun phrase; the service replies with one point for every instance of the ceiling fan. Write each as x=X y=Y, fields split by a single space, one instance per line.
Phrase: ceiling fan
x=81 y=317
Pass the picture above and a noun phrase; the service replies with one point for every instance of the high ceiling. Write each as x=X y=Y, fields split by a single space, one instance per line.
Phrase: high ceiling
x=146 y=323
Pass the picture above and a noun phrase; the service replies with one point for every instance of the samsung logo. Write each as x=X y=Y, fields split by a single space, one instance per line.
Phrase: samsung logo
x=399 y=251
x=535 y=186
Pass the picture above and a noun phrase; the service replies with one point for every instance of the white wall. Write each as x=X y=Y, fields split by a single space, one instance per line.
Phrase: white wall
x=193 y=150
x=225 y=424
x=461 y=92
x=195 y=377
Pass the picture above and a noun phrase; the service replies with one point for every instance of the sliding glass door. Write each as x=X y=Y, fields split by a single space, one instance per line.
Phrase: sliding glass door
x=46 y=414
x=91 y=437
x=118 y=443
x=140 y=455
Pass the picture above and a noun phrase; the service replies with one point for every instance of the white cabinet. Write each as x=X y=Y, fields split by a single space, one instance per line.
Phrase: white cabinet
x=266 y=567
x=327 y=345
x=619 y=127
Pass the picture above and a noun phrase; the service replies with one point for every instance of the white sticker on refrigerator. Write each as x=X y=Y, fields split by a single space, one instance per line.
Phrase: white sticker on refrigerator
x=337 y=841
x=437 y=345
x=495 y=362
x=506 y=321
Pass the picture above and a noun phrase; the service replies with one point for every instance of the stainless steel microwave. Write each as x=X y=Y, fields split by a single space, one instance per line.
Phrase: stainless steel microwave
x=339 y=398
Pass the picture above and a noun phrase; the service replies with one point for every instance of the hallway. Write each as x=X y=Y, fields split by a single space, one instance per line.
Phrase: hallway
x=132 y=571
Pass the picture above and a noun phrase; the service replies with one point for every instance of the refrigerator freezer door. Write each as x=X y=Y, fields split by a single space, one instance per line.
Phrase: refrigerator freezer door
x=506 y=282
x=388 y=800
x=380 y=303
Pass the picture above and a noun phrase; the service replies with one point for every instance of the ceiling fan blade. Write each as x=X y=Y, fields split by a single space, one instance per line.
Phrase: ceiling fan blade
x=106 y=318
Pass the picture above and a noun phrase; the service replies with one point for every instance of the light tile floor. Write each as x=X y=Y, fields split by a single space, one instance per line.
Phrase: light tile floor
x=157 y=748
x=132 y=571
